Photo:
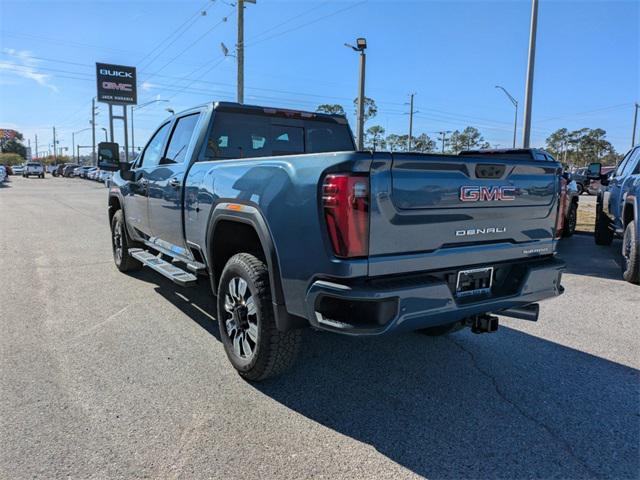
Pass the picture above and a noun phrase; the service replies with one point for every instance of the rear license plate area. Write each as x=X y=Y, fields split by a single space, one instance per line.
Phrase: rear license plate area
x=477 y=281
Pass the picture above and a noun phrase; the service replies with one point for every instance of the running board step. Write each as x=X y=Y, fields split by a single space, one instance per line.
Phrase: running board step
x=173 y=273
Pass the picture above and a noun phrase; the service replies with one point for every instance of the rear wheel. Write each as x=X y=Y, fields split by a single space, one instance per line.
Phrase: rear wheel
x=120 y=244
x=580 y=188
x=631 y=254
x=603 y=234
x=254 y=346
x=571 y=221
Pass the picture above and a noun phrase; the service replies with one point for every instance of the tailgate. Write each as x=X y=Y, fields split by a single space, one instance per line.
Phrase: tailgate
x=443 y=211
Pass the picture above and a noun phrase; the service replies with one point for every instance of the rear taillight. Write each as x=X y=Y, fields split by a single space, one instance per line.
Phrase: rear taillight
x=345 y=201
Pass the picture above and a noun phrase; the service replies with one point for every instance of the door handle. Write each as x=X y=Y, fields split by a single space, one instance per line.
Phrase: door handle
x=174 y=182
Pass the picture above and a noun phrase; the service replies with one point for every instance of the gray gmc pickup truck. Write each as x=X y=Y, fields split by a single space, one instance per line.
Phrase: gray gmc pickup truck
x=294 y=228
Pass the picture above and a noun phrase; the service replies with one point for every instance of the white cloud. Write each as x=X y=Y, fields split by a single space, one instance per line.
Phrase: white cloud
x=27 y=68
x=146 y=86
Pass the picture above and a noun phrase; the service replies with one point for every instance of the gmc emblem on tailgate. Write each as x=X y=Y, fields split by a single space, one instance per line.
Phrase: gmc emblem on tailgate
x=487 y=194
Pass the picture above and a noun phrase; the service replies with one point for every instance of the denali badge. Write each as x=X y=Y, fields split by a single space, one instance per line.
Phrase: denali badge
x=486 y=194
x=480 y=231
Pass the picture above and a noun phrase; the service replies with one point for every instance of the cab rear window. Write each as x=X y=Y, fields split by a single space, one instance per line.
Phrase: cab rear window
x=237 y=135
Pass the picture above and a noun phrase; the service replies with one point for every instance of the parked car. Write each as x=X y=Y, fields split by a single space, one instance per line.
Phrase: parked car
x=92 y=173
x=3 y=174
x=295 y=228
x=583 y=178
x=18 y=169
x=33 y=169
x=83 y=171
x=69 y=169
x=104 y=176
x=596 y=184
x=618 y=212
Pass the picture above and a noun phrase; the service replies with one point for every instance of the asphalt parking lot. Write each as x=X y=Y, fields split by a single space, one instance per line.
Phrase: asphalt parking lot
x=106 y=375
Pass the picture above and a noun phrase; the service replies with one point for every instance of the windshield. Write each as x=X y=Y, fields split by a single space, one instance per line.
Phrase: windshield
x=238 y=135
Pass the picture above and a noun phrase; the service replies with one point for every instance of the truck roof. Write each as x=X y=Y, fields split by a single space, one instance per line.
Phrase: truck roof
x=274 y=111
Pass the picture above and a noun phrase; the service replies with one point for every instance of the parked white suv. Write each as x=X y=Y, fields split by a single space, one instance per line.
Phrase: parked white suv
x=33 y=168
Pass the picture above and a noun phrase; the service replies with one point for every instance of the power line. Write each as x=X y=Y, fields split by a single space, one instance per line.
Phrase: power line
x=223 y=20
x=349 y=7
x=274 y=27
x=183 y=26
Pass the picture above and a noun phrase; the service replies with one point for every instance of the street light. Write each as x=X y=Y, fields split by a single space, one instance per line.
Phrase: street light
x=105 y=133
x=73 y=140
x=515 y=104
x=361 y=46
x=171 y=111
x=138 y=107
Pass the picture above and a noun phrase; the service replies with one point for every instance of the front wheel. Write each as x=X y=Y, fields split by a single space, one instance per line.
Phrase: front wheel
x=603 y=234
x=580 y=188
x=631 y=254
x=120 y=245
x=254 y=346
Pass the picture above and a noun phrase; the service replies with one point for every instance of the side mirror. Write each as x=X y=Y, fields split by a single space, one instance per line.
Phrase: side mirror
x=125 y=171
x=108 y=156
x=594 y=170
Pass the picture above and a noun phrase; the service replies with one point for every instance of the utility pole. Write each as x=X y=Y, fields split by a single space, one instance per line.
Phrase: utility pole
x=36 y=145
x=240 y=49
x=526 y=133
x=444 y=134
x=411 y=112
x=515 y=104
x=93 y=132
x=635 y=122
x=55 y=157
x=73 y=145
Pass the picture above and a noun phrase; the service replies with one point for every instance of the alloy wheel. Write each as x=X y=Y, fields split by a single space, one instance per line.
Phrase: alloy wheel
x=241 y=320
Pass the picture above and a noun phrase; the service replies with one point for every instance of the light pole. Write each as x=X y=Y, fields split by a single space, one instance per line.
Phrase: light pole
x=526 y=127
x=515 y=104
x=73 y=139
x=138 y=107
x=105 y=134
x=171 y=111
x=361 y=46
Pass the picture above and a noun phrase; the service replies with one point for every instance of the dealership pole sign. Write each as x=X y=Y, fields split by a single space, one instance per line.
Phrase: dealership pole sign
x=116 y=84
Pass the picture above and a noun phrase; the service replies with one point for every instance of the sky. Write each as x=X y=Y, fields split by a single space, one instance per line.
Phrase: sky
x=452 y=54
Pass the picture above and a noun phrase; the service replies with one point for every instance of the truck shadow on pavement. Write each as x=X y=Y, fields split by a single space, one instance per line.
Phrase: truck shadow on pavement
x=503 y=405
x=584 y=257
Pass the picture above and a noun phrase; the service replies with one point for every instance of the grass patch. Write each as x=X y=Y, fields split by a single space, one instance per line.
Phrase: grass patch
x=586 y=217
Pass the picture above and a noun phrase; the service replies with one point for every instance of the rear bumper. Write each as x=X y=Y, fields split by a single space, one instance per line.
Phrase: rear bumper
x=409 y=303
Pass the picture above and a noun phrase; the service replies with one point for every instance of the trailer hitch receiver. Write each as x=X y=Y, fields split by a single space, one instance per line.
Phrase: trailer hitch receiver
x=483 y=323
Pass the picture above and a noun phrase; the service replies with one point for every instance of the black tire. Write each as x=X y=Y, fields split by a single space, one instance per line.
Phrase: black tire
x=631 y=254
x=442 y=329
x=254 y=346
x=603 y=234
x=120 y=245
x=571 y=221
x=580 y=188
